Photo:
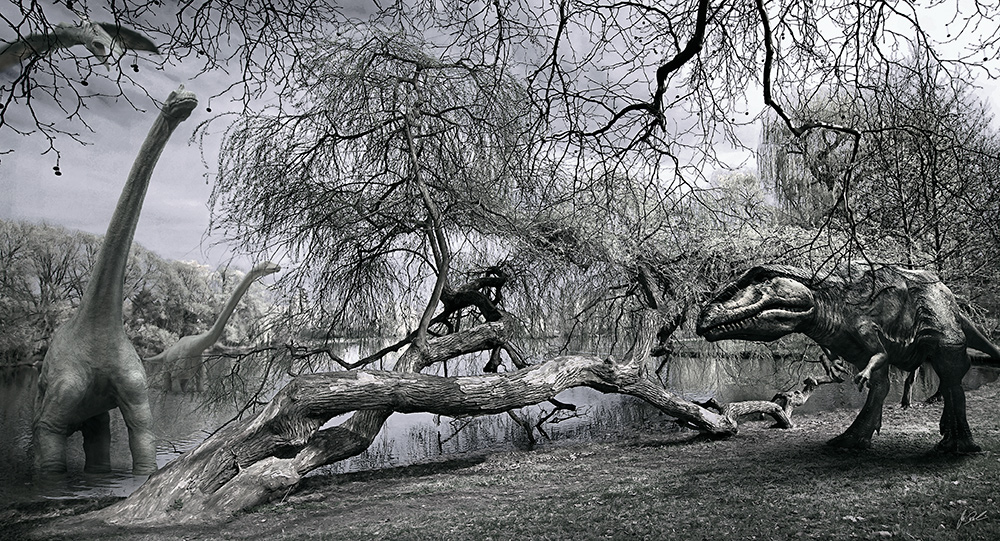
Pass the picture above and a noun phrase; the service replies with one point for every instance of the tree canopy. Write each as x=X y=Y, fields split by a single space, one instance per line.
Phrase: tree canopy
x=668 y=82
x=923 y=184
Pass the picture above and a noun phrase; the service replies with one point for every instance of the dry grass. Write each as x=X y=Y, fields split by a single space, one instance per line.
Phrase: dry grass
x=763 y=484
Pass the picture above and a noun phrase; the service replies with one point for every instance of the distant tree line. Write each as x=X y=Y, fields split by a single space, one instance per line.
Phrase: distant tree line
x=920 y=189
x=45 y=271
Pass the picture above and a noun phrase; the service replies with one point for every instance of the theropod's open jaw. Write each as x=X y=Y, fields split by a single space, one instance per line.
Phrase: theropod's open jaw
x=758 y=310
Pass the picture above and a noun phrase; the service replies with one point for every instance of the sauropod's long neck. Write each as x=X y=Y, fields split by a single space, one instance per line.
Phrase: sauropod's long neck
x=212 y=335
x=104 y=294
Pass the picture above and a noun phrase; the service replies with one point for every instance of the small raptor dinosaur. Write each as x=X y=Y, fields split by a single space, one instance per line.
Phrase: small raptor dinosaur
x=888 y=316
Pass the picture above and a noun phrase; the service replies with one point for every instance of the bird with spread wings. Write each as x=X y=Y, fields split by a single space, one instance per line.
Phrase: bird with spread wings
x=104 y=40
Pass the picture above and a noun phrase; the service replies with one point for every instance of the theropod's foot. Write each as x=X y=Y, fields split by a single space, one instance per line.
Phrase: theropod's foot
x=957 y=446
x=848 y=440
x=934 y=399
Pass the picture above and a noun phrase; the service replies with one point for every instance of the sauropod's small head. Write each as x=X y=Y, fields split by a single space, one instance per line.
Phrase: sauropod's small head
x=265 y=268
x=179 y=104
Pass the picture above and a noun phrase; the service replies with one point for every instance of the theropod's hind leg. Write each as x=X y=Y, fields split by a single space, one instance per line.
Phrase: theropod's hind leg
x=951 y=363
x=908 y=388
x=869 y=420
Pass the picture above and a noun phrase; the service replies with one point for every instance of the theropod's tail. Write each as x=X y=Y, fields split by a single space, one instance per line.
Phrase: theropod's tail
x=975 y=339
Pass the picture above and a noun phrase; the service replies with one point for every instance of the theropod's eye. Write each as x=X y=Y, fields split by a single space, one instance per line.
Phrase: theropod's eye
x=98 y=47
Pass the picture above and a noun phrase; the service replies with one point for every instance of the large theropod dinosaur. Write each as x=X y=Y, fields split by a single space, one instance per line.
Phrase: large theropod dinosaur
x=182 y=362
x=889 y=316
x=91 y=367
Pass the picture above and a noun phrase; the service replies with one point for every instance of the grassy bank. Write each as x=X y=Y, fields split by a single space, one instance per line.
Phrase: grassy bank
x=763 y=484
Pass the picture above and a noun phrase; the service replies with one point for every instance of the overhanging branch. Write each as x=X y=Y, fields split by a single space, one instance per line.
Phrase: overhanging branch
x=801 y=129
x=655 y=106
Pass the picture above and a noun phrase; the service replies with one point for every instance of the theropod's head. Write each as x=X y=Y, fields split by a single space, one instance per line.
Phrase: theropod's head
x=763 y=304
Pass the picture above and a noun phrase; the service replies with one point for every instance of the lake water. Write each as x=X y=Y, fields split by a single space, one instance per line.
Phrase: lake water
x=183 y=421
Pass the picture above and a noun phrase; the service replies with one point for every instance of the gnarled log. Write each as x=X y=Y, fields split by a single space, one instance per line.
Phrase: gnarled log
x=246 y=463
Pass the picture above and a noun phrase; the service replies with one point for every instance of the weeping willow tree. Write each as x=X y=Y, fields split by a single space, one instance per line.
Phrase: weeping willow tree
x=341 y=183
x=333 y=186
x=805 y=172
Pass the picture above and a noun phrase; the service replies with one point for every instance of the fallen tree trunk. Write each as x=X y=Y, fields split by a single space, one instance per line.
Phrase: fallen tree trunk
x=249 y=462
x=735 y=410
x=246 y=463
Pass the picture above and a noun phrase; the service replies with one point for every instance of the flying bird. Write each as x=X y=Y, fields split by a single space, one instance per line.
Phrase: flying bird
x=104 y=40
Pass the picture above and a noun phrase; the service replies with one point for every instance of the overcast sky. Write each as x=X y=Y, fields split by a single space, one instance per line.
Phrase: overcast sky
x=175 y=216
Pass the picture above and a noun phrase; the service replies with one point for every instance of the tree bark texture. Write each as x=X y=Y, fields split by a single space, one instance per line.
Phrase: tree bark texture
x=246 y=463
x=249 y=462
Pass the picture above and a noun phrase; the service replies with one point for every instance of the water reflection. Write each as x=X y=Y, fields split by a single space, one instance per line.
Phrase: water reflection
x=118 y=482
x=412 y=437
x=181 y=423
x=81 y=485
